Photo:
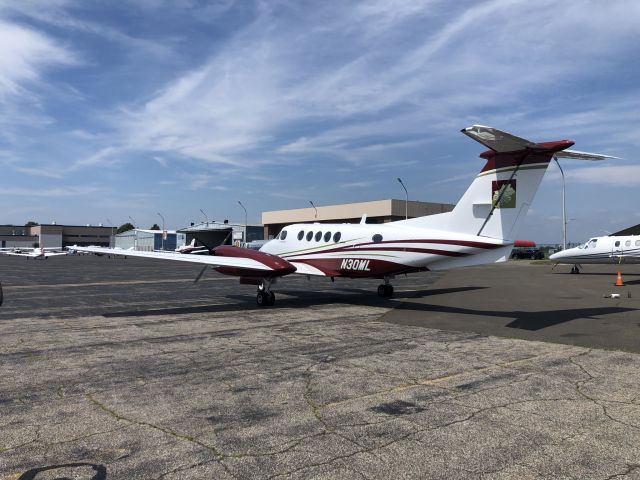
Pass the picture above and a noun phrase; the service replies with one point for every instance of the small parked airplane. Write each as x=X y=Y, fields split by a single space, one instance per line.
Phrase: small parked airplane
x=34 y=253
x=480 y=229
x=192 y=248
x=613 y=249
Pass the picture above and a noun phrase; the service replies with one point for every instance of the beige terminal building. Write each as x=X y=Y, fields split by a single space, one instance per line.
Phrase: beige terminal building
x=377 y=211
x=54 y=236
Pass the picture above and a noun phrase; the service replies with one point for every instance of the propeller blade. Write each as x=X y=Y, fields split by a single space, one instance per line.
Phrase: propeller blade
x=200 y=274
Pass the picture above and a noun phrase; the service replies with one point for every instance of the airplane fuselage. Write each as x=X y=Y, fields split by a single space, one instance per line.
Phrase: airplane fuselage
x=377 y=250
x=602 y=250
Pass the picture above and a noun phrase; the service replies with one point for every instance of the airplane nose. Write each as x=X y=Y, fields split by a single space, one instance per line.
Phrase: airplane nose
x=555 y=256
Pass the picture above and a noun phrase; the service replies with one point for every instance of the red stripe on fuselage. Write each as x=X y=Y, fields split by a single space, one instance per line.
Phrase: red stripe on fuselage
x=461 y=243
x=377 y=268
x=357 y=247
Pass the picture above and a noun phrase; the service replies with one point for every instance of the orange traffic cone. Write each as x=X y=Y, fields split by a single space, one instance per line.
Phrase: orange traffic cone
x=619 y=282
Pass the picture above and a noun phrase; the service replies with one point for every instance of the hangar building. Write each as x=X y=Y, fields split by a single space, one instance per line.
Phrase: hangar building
x=378 y=211
x=54 y=236
x=213 y=234
x=149 y=240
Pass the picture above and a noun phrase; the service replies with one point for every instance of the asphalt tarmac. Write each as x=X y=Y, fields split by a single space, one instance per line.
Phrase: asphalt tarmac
x=124 y=369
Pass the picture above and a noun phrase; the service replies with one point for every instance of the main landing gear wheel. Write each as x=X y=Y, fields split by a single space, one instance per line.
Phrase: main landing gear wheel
x=385 y=291
x=265 y=299
x=575 y=269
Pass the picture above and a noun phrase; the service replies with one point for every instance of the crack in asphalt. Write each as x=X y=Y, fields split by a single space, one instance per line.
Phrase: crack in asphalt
x=218 y=455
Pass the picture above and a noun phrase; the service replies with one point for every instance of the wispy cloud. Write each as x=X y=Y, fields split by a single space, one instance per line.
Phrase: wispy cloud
x=241 y=101
x=26 y=54
x=610 y=176
x=70 y=191
x=349 y=185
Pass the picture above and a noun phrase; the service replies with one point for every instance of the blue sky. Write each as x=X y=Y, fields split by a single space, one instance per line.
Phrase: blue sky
x=162 y=106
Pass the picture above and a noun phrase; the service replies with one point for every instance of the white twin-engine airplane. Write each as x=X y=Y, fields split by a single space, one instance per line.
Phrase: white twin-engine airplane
x=34 y=253
x=480 y=229
x=614 y=249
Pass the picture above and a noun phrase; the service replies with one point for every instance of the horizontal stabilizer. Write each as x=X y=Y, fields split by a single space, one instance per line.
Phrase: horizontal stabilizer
x=575 y=154
x=497 y=140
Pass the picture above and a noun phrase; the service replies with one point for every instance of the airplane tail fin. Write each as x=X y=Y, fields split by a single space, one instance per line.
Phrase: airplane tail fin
x=498 y=199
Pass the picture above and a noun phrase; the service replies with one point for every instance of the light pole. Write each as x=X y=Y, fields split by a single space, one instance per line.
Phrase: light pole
x=135 y=234
x=160 y=215
x=244 y=236
x=564 y=208
x=205 y=216
x=406 y=203
x=314 y=207
x=113 y=237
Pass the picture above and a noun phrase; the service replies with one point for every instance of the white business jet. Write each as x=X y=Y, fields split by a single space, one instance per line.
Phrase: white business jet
x=614 y=249
x=35 y=253
x=480 y=229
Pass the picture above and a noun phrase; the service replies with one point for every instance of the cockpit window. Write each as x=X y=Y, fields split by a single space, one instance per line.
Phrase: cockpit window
x=591 y=243
x=283 y=234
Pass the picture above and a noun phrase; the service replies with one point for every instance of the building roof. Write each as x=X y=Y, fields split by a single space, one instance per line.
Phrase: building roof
x=376 y=208
x=635 y=230
x=204 y=226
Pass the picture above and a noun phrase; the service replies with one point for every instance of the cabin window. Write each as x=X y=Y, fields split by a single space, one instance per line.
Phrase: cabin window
x=309 y=236
x=618 y=243
x=336 y=237
x=627 y=243
x=301 y=235
x=318 y=236
x=377 y=238
x=283 y=234
x=327 y=236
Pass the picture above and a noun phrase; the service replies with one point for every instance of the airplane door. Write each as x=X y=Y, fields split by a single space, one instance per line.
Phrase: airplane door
x=616 y=251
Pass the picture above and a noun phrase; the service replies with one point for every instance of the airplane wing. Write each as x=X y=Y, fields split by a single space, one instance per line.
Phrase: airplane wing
x=226 y=259
x=54 y=254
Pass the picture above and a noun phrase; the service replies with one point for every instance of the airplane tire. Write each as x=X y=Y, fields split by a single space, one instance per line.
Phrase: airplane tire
x=262 y=299
x=385 y=291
